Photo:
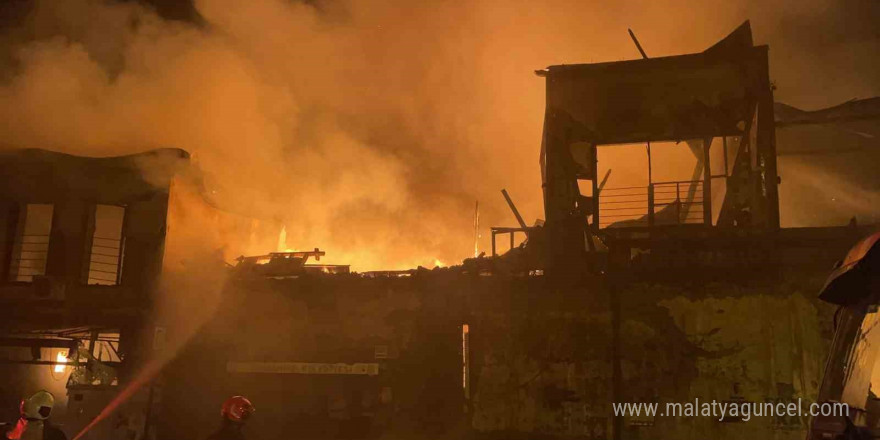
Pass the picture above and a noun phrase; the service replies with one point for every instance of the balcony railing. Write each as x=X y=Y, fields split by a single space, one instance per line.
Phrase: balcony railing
x=105 y=260
x=659 y=203
x=29 y=256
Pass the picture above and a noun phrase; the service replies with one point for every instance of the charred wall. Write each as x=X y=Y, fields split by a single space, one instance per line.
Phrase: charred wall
x=540 y=357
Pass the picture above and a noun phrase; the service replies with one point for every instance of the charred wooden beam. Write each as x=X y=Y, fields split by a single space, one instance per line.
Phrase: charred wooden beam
x=38 y=343
x=519 y=218
x=638 y=46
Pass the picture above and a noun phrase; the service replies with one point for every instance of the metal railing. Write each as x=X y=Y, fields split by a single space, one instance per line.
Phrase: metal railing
x=624 y=206
x=29 y=256
x=659 y=203
x=677 y=203
x=105 y=260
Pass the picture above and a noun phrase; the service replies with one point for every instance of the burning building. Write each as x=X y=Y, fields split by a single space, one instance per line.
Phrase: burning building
x=668 y=291
x=663 y=290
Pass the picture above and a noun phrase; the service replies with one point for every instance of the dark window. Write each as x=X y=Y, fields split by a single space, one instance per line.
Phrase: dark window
x=30 y=246
x=107 y=249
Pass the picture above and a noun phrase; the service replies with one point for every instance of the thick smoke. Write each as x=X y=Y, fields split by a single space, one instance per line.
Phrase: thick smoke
x=369 y=128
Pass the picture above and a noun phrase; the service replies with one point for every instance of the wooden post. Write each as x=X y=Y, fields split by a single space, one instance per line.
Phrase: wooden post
x=595 y=155
x=724 y=147
x=618 y=262
x=13 y=221
x=677 y=203
x=121 y=258
x=707 y=183
x=650 y=189
x=477 y=229
x=149 y=413
x=93 y=341
x=765 y=144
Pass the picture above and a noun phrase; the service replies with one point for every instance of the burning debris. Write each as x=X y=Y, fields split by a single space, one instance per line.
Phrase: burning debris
x=281 y=265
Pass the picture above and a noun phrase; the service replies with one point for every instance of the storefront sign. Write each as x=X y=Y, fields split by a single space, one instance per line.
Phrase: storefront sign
x=370 y=369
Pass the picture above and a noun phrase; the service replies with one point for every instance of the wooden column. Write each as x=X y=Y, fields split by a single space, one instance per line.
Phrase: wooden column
x=707 y=183
x=493 y=243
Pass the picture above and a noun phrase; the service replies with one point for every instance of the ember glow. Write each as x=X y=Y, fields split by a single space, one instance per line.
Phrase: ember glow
x=282 y=241
x=61 y=358
x=373 y=140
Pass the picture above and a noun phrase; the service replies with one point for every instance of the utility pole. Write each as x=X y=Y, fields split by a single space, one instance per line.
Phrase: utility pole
x=477 y=229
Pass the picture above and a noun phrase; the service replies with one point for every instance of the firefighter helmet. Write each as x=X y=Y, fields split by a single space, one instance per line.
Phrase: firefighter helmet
x=237 y=409
x=38 y=406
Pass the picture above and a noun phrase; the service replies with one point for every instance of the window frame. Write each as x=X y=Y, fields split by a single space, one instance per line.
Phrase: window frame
x=16 y=212
x=90 y=229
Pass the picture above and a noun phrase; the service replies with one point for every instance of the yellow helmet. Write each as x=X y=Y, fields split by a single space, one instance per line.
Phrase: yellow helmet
x=38 y=406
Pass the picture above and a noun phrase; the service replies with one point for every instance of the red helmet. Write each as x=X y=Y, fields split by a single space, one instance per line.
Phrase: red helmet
x=237 y=409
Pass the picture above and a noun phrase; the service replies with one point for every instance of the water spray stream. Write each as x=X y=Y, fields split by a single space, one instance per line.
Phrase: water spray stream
x=147 y=373
x=145 y=376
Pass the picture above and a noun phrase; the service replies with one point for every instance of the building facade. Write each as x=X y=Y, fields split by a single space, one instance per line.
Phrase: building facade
x=81 y=256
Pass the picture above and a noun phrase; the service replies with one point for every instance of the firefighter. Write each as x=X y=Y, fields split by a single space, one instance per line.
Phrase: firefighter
x=235 y=411
x=33 y=424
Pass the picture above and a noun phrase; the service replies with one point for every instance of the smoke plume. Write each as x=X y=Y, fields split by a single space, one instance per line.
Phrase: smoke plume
x=369 y=128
